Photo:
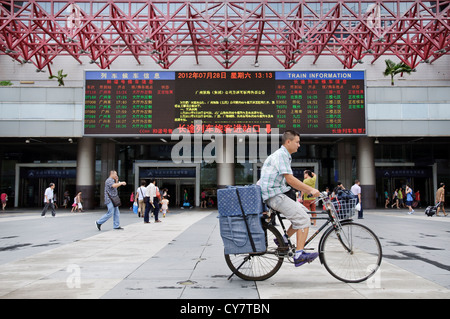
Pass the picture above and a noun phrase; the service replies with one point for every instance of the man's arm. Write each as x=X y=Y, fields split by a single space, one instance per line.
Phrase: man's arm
x=298 y=185
x=115 y=185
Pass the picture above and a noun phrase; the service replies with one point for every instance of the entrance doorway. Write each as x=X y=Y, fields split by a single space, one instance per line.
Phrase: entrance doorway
x=175 y=189
x=175 y=178
x=33 y=179
x=393 y=178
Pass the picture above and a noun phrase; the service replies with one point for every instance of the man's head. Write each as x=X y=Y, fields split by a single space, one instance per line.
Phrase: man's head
x=442 y=185
x=113 y=174
x=307 y=174
x=52 y=185
x=291 y=140
x=357 y=182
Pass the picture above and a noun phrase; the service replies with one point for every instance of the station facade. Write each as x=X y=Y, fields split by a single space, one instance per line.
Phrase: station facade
x=42 y=140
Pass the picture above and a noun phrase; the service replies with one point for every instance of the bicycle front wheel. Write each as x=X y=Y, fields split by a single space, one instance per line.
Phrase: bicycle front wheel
x=351 y=253
x=260 y=266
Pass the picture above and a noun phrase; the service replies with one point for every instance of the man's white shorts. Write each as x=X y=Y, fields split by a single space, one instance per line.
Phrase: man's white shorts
x=292 y=210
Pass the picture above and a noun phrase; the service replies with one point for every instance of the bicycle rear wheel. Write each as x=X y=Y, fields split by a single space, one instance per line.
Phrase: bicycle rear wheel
x=260 y=266
x=352 y=253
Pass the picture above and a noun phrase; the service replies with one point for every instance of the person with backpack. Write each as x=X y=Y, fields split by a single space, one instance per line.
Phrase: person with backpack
x=409 y=198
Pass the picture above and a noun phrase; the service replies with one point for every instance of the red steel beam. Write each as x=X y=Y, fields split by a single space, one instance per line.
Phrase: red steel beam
x=287 y=30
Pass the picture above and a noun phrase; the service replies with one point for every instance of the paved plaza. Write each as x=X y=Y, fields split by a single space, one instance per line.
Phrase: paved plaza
x=182 y=258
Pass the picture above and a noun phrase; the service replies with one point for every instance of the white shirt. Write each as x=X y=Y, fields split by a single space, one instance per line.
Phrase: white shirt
x=356 y=189
x=151 y=191
x=48 y=195
x=141 y=192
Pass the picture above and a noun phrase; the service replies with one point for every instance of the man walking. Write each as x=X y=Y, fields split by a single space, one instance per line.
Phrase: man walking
x=111 y=185
x=440 y=198
x=356 y=190
x=48 y=200
x=151 y=193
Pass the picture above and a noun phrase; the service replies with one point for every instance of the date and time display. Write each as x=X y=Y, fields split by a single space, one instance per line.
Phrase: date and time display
x=156 y=103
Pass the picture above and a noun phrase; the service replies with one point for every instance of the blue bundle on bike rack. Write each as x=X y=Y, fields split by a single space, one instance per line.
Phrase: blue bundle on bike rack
x=240 y=210
x=228 y=203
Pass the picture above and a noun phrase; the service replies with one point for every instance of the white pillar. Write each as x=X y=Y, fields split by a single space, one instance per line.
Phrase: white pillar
x=86 y=171
x=225 y=160
x=366 y=171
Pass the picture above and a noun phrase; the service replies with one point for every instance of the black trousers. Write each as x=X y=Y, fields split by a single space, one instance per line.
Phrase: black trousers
x=47 y=205
x=148 y=206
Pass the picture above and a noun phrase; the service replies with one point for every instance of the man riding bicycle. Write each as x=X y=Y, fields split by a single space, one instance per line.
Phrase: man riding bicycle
x=276 y=181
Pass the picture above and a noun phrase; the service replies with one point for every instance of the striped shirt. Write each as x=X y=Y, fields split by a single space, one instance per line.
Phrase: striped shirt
x=272 y=181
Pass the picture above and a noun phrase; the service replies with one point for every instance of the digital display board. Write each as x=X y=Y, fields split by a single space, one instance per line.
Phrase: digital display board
x=157 y=102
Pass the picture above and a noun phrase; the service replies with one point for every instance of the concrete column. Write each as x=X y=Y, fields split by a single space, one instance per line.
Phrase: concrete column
x=108 y=163
x=345 y=164
x=366 y=171
x=86 y=171
x=225 y=161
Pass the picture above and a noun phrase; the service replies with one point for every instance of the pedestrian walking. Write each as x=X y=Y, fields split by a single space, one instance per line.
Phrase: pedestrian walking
x=140 y=198
x=164 y=206
x=395 y=199
x=440 y=198
x=417 y=200
x=150 y=194
x=4 y=199
x=131 y=200
x=409 y=199
x=400 y=198
x=386 y=199
x=356 y=190
x=112 y=201
x=77 y=206
x=48 y=200
x=156 y=203
x=66 y=199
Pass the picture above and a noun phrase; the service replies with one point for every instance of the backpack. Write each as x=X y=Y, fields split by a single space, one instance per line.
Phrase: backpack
x=345 y=194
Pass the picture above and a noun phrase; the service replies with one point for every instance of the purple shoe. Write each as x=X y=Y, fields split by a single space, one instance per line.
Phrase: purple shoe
x=305 y=258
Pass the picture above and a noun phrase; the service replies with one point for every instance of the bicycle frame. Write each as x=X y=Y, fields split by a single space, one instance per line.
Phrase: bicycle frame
x=330 y=219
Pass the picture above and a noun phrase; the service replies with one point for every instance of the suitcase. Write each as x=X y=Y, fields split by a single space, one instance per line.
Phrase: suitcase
x=240 y=212
x=431 y=210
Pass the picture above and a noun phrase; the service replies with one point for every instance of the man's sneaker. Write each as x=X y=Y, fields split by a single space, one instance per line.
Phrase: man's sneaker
x=98 y=225
x=275 y=240
x=305 y=258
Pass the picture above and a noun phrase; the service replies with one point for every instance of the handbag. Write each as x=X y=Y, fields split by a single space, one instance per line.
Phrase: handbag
x=115 y=200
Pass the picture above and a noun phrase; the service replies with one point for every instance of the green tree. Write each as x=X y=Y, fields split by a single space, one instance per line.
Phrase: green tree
x=60 y=77
x=393 y=69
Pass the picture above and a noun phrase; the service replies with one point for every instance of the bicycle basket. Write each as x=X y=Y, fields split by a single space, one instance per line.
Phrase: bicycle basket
x=345 y=208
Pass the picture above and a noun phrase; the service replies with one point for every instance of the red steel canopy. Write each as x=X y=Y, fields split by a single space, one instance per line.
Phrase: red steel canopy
x=37 y=31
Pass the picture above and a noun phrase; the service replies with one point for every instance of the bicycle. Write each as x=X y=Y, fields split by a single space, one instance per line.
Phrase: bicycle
x=350 y=252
